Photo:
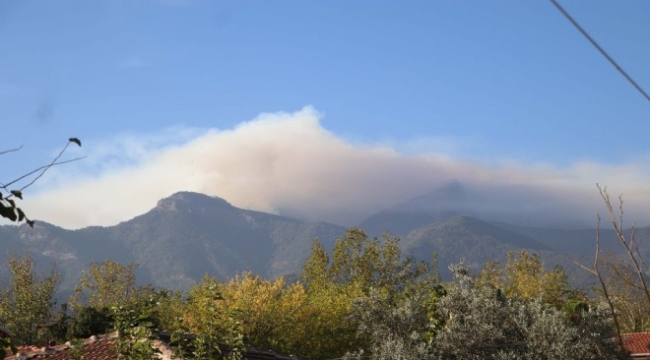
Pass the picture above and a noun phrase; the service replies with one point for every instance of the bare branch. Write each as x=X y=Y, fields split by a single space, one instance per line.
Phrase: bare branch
x=585 y=268
x=635 y=247
x=630 y=282
x=43 y=169
x=604 y=287
x=39 y=169
x=8 y=208
x=620 y=211
x=626 y=244
x=10 y=150
x=47 y=167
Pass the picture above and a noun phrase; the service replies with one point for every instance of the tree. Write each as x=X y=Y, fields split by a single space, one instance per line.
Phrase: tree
x=136 y=327
x=105 y=284
x=484 y=323
x=215 y=329
x=402 y=331
x=359 y=291
x=623 y=282
x=89 y=321
x=13 y=189
x=364 y=263
x=268 y=311
x=627 y=297
x=27 y=302
x=524 y=275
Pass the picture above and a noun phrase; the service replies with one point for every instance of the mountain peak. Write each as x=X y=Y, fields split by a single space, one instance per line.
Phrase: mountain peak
x=184 y=199
x=450 y=197
x=435 y=207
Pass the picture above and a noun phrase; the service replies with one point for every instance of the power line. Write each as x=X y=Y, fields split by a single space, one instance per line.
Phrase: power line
x=602 y=51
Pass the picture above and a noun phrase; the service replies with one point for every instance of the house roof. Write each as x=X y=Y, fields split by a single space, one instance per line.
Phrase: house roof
x=637 y=343
x=100 y=347
x=94 y=348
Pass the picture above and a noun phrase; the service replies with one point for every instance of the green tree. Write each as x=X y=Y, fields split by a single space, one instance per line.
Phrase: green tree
x=343 y=290
x=105 y=284
x=363 y=263
x=88 y=321
x=6 y=344
x=26 y=304
x=525 y=276
x=267 y=310
x=215 y=329
x=137 y=329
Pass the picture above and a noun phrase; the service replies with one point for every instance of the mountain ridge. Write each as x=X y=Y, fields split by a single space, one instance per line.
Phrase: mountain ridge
x=188 y=235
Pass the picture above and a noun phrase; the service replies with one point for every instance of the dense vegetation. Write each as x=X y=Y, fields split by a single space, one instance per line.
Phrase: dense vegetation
x=362 y=300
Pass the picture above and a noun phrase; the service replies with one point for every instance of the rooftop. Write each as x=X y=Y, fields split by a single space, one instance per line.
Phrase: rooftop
x=637 y=343
x=100 y=347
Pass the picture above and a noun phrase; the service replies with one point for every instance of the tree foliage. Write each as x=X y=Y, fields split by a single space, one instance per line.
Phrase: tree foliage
x=401 y=331
x=26 y=303
x=216 y=330
x=362 y=273
x=105 y=284
x=268 y=311
x=524 y=275
x=135 y=323
x=485 y=323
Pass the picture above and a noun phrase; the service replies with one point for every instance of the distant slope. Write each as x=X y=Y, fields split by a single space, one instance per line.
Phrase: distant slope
x=435 y=207
x=467 y=238
x=580 y=242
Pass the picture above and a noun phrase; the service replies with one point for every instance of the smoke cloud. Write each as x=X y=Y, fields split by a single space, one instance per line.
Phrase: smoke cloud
x=287 y=163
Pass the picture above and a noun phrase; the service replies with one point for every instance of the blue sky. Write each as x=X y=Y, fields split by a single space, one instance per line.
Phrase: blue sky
x=481 y=82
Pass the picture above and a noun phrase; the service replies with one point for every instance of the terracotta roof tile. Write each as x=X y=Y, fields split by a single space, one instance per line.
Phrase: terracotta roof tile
x=95 y=348
x=101 y=348
x=637 y=343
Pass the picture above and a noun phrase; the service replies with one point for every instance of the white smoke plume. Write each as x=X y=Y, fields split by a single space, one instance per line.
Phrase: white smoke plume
x=288 y=163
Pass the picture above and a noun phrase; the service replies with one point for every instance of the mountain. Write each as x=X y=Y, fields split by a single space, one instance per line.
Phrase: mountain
x=568 y=241
x=469 y=239
x=456 y=224
x=186 y=236
x=435 y=207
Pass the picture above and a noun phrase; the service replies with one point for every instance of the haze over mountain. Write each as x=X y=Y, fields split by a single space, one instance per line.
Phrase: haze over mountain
x=454 y=199
x=439 y=205
x=188 y=235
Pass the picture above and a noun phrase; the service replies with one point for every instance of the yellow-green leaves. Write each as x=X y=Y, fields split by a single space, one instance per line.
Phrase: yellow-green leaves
x=105 y=284
x=28 y=300
x=525 y=276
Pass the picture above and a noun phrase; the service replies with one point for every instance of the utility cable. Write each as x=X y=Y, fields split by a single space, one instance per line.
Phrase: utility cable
x=602 y=51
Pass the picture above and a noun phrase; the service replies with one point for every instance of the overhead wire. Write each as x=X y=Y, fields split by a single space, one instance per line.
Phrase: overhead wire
x=602 y=51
